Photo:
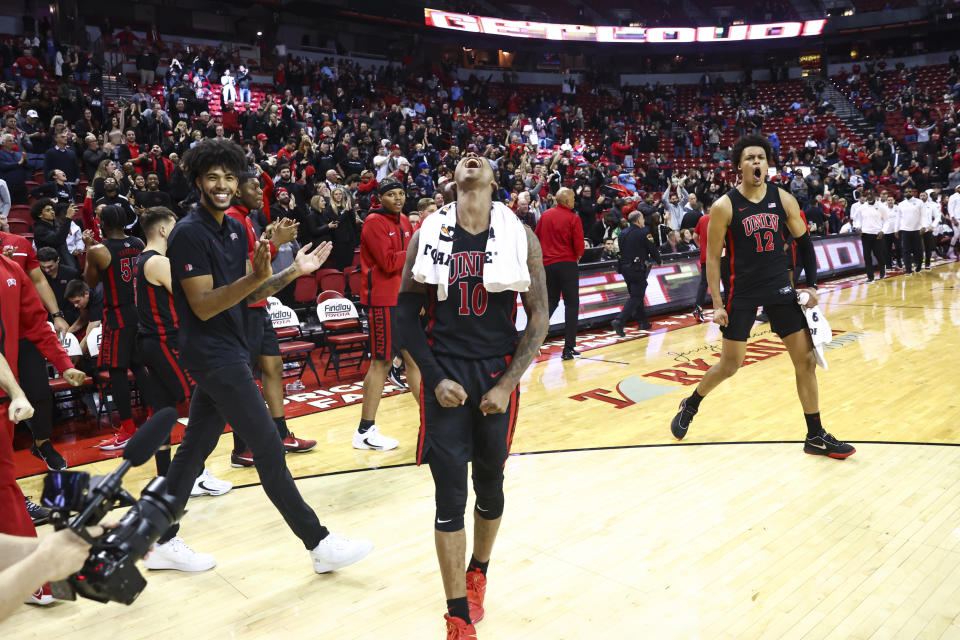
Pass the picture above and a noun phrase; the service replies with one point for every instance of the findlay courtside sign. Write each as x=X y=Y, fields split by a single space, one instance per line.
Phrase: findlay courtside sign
x=625 y=35
x=688 y=370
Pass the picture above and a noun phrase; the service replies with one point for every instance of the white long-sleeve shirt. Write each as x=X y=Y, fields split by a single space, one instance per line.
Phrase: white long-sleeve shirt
x=873 y=217
x=892 y=225
x=855 y=214
x=953 y=206
x=930 y=215
x=911 y=214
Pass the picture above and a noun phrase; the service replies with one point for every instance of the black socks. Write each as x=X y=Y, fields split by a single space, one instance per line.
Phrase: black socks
x=814 y=428
x=364 y=425
x=458 y=608
x=281 y=424
x=476 y=564
x=693 y=402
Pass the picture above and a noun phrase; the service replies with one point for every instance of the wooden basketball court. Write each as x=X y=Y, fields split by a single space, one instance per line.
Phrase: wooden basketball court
x=612 y=529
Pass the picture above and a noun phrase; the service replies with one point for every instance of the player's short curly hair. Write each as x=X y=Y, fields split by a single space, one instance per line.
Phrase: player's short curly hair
x=751 y=141
x=210 y=153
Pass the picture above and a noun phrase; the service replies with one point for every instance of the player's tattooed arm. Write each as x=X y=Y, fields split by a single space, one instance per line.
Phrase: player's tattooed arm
x=538 y=321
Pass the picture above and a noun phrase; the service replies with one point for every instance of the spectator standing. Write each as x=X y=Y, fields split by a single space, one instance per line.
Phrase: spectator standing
x=560 y=233
x=147 y=63
x=61 y=156
x=243 y=84
x=13 y=168
x=228 y=86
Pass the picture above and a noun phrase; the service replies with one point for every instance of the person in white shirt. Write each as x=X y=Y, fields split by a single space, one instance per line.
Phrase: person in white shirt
x=911 y=221
x=953 y=212
x=380 y=163
x=855 y=209
x=930 y=219
x=872 y=217
x=228 y=87
x=891 y=233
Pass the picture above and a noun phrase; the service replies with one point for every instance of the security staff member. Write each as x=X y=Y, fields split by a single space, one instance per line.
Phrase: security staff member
x=635 y=251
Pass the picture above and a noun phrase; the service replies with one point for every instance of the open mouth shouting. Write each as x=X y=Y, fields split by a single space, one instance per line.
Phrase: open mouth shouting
x=757 y=175
x=472 y=163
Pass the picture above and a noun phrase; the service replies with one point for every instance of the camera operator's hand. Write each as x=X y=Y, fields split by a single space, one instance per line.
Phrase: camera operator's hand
x=63 y=552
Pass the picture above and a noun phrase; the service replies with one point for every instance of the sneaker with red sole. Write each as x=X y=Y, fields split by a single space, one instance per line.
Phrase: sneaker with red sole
x=41 y=596
x=459 y=629
x=293 y=444
x=476 y=589
x=119 y=440
x=244 y=459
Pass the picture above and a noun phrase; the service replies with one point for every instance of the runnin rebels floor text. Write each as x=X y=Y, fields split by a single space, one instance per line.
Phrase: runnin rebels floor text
x=613 y=529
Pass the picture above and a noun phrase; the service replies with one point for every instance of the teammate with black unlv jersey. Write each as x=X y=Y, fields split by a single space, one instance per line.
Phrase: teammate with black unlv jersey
x=471 y=361
x=750 y=223
x=112 y=263
x=158 y=326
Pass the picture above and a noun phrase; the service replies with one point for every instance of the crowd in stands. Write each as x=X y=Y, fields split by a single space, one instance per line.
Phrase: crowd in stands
x=326 y=132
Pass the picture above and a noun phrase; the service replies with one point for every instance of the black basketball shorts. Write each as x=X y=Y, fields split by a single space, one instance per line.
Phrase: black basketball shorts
x=118 y=348
x=785 y=314
x=457 y=435
x=170 y=381
x=261 y=336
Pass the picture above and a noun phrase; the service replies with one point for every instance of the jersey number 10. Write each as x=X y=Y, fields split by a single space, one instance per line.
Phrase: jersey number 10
x=477 y=299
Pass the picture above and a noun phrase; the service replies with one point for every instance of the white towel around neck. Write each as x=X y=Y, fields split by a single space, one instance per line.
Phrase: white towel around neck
x=506 y=265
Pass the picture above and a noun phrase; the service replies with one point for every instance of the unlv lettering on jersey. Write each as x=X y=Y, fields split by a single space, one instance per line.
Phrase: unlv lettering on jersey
x=467 y=264
x=760 y=221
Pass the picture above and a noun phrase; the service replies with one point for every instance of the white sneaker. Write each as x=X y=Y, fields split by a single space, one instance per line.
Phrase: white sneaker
x=207 y=485
x=335 y=552
x=373 y=439
x=175 y=554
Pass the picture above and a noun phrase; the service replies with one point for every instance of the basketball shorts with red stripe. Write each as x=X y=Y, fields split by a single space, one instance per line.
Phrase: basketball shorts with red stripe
x=383 y=333
x=169 y=381
x=785 y=314
x=456 y=435
x=118 y=348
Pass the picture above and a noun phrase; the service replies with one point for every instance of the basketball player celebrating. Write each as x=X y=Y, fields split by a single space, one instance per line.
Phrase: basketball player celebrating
x=157 y=334
x=213 y=281
x=464 y=266
x=749 y=223
x=112 y=262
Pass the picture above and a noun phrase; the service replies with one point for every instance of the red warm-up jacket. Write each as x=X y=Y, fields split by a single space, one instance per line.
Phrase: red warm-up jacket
x=383 y=250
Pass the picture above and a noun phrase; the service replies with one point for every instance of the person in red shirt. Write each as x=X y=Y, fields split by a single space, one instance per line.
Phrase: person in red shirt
x=701 y=231
x=22 y=316
x=31 y=365
x=261 y=337
x=383 y=249
x=560 y=233
x=28 y=69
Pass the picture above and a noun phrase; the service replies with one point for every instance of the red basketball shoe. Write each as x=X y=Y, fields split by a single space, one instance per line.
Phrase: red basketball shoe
x=476 y=589
x=459 y=629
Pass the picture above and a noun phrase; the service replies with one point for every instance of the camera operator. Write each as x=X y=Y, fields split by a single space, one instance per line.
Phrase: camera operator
x=26 y=562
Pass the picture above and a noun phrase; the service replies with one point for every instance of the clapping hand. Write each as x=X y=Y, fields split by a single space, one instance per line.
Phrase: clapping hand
x=309 y=261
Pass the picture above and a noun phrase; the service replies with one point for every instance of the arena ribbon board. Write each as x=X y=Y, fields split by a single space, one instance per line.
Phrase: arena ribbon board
x=625 y=35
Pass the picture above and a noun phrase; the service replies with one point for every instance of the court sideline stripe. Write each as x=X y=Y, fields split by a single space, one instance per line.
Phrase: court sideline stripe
x=611 y=448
